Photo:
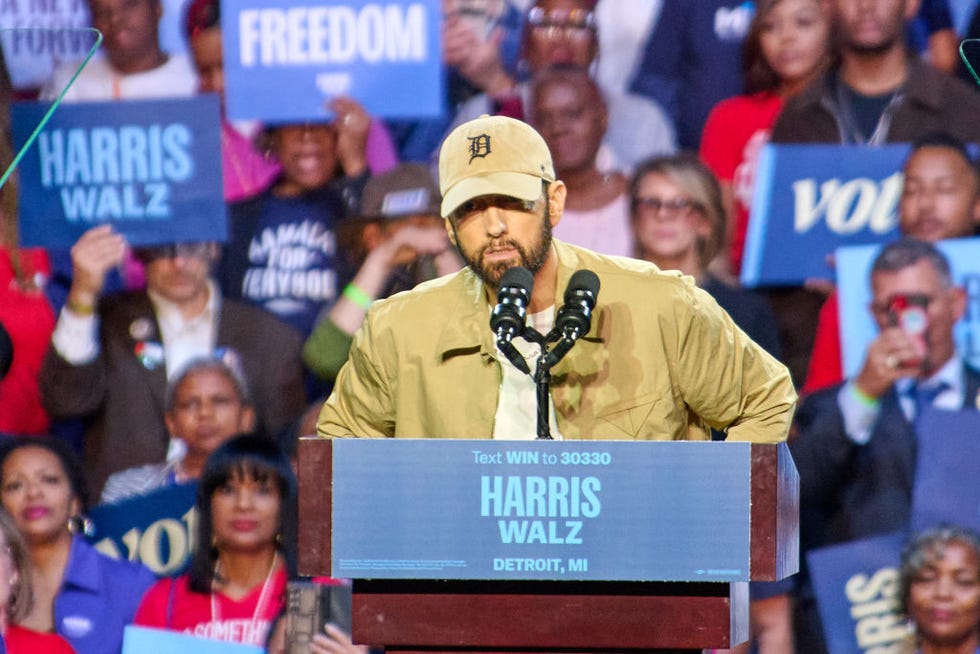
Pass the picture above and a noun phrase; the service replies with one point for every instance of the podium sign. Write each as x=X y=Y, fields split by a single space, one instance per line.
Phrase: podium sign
x=540 y=510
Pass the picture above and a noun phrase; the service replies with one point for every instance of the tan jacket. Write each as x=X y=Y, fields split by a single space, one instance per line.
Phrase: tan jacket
x=661 y=362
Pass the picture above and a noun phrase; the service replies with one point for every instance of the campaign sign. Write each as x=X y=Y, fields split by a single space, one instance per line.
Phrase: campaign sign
x=857 y=327
x=857 y=591
x=38 y=35
x=150 y=168
x=143 y=640
x=156 y=529
x=286 y=59
x=457 y=509
x=810 y=199
x=946 y=488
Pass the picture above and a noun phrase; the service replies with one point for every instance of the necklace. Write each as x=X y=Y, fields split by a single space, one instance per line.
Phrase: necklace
x=259 y=606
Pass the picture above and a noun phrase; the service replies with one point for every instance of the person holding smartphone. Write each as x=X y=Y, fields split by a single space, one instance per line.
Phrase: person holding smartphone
x=856 y=444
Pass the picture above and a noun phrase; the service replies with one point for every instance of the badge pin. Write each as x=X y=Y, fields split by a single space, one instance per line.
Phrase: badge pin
x=141 y=329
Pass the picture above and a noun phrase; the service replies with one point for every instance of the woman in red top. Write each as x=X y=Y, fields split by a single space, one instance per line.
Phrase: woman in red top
x=787 y=46
x=236 y=585
x=16 y=597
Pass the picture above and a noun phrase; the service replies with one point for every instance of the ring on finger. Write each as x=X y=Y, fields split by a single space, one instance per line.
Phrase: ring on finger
x=891 y=361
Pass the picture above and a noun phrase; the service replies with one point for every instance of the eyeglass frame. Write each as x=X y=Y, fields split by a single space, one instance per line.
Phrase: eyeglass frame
x=573 y=23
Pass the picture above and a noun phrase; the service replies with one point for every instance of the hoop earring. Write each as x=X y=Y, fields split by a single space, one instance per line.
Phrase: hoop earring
x=81 y=524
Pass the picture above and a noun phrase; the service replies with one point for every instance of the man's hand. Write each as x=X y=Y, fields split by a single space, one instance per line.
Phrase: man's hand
x=891 y=356
x=411 y=242
x=335 y=641
x=475 y=57
x=353 y=124
x=99 y=250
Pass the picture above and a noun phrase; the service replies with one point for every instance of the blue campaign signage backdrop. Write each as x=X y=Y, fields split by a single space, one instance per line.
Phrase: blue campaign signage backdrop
x=856 y=585
x=597 y=510
x=151 y=168
x=285 y=59
x=946 y=488
x=810 y=200
x=156 y=529
x=858 y=329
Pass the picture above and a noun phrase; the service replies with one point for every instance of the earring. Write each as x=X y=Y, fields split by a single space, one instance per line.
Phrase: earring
x=278 y=539
x=81 y=524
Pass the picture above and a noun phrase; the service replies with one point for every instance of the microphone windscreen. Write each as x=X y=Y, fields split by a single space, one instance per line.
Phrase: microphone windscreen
x=582 y=280
x=517 y=277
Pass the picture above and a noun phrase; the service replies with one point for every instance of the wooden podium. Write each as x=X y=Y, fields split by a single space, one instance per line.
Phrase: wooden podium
x=681 y=611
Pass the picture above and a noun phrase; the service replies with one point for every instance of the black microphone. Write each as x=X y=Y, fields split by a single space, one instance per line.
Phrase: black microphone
x=575 y=318
x=507 y=319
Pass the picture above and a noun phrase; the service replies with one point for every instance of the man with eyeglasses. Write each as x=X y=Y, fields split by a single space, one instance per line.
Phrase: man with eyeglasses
x=110 y=357
x=856 y=447
x=661 y=361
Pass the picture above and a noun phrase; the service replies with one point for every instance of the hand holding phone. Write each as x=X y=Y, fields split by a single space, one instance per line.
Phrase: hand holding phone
x=909 y=313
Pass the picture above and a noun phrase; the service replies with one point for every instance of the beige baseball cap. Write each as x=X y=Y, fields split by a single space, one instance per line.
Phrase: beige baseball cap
x=492 y=155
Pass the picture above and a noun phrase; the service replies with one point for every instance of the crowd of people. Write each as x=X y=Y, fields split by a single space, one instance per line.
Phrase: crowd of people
x=631 y=133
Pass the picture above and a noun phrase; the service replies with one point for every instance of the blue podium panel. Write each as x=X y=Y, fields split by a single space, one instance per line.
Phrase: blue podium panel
x=566 y=510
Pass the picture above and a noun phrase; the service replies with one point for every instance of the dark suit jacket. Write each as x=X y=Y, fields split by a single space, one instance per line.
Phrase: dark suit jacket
x=847 y=491
x=122 y=400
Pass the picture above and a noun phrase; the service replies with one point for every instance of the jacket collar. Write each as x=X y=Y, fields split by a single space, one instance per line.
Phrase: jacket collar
x=468 y=331
x=82 y=571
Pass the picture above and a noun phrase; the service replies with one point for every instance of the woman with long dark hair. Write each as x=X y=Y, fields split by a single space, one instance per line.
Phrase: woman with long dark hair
x=236 y=584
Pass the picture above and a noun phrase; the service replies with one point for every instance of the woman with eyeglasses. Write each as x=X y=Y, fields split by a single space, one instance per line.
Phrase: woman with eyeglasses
x=678 y=222
x=79 y=593
x=16 y=598
x=940 y=591
x=565 y=32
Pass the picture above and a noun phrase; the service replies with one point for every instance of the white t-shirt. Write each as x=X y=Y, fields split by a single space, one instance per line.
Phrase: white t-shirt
x=517 y=405
x=99 y=81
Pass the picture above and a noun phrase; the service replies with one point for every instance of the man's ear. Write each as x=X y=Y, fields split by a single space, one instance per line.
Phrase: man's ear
x=451 y=232
x=557 y=191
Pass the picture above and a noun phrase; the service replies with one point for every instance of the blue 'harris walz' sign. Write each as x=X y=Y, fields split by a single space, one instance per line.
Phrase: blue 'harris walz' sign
x=810 y=200
x=150 y=168
x=584 y=510
x=285 y=59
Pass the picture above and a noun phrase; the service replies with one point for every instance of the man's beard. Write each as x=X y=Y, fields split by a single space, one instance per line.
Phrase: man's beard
x=531 y=257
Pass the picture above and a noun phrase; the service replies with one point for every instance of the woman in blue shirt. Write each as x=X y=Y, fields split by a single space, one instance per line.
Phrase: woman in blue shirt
x=79 y=593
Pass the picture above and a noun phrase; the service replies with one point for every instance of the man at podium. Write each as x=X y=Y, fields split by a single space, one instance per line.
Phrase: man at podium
x=656 y=359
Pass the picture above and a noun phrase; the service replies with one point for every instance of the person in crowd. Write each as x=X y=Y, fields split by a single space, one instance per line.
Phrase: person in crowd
x=282 y=251
x=678 y=219
x=399 y=242
x=236 y=584
x=134 y=65
x=501 y=200
x=16 y=598
x=856 y=444
x=940 y=590
x=79 y=593
x=565 y=32
x=246 y=171
x=25 y=313
x=568 y=110
x=940 y=200
x=788 y=44
x=692 y=60
x=877 y=92
x=207 y=404
x=110 y=358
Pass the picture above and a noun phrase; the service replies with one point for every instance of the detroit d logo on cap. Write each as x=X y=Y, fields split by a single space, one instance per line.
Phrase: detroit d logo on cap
x=479 y=146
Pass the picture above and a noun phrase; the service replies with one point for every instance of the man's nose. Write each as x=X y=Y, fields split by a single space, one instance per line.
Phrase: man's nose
x=494 y=221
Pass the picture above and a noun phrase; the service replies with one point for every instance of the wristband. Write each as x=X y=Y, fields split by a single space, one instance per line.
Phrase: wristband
x=357 y=296
x=79 y=308
x=863 y=398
